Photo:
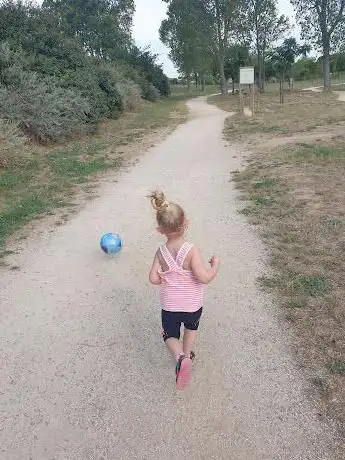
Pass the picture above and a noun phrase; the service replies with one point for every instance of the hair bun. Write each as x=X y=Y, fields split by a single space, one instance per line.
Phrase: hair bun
x=158 y=200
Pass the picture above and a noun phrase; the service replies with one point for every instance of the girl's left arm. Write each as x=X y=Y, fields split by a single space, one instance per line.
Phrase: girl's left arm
x=154 y=272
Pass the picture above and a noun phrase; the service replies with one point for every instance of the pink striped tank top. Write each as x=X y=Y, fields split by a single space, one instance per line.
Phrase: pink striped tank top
x=180 y=289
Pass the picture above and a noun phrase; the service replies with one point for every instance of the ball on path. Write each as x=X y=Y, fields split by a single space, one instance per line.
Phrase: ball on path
x=111 y=243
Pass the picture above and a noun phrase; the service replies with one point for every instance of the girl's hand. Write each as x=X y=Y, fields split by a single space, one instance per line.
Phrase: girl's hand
x=214 y=261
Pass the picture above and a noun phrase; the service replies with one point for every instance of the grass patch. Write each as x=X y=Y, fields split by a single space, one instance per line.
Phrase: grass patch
x=63 y=164
x=322 y=152
x=25 y=209
x=11 y=179
x=274 y=129
x=265 y=184
x=297 y=303
x=295 y=194
x=312 y=286
x=337 y=368
x=45 y=178
x=182 y=92
x=297 y=286
x=303 y=111
x=321 y=382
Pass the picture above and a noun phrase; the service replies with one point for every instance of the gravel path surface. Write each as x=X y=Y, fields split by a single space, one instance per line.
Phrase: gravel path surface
x=84 y=374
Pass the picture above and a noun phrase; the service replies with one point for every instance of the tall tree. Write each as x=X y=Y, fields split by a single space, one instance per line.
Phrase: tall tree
x=223 y=16
x=283 y=58
x=186 y=33
x=265 y=26
x=236 y=57
x=323 y=24
x=209 y=29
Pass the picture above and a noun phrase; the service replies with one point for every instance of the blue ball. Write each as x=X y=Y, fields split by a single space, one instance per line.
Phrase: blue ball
x=111 y=243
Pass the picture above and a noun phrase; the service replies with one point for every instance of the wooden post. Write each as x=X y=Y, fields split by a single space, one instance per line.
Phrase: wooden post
x=253 y=91
x=281 y=91
x=241 y=99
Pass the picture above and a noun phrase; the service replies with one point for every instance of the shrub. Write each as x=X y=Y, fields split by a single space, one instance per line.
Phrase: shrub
x=43 y=110
x=131 y=95
x=151 y=93
x=107 y=84
x=98 y=86
x=85 y=82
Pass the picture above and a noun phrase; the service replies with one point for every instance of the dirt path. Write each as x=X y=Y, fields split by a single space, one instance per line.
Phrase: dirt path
x=84 y=373
x=319 y=89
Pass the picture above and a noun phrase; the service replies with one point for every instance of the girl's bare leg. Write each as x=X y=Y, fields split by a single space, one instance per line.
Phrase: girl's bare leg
x=189 y=339
x=175 y=347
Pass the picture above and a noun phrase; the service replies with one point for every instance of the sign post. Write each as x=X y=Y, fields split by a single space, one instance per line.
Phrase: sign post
x=247 y=78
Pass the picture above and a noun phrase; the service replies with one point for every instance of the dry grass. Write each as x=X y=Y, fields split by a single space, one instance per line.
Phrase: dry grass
x=302 y=111
x=44 y=179
x=294 y=190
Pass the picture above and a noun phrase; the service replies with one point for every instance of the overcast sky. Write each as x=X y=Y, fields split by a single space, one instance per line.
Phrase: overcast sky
x=148 y=17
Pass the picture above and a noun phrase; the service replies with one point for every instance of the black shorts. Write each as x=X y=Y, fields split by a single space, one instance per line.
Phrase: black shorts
x=172 y=321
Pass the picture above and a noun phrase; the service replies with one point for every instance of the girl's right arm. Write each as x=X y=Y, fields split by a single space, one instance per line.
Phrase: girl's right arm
x=154 y=276
x=200 y=271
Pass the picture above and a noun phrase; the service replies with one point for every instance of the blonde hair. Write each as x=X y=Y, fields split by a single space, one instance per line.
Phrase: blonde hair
x=170 y=216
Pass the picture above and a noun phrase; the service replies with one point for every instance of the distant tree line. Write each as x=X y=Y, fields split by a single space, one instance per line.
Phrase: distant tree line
x=214 y=38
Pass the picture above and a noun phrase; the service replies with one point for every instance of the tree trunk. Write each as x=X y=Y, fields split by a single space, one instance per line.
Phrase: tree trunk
x=281 y=87
x=223 y=82
x=203 y=84
x=261 y=72
x=221 y=44
x=233 y=85
x=326 y=66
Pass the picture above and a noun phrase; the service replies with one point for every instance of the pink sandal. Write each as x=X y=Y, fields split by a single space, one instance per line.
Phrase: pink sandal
x=183 y=372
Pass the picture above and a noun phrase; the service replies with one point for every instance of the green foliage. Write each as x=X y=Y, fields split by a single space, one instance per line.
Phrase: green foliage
x=59 y=61
x=236 y=56
x=148 y=72
x=187 y=33
x=265 y=27
x=42 y=109
x=283 y=57
x=130 y=94
x=323 y=25
x=102 y=26
x=307 y=69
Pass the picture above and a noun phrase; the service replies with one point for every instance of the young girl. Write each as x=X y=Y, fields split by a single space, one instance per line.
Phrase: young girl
x=179 y=270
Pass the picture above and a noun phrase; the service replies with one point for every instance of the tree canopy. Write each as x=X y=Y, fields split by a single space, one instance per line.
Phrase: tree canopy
x=323 y=25
x=205 y=36
x=78 y=57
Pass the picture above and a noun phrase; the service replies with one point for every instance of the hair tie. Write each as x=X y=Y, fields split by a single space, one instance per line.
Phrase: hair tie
x=165 y=204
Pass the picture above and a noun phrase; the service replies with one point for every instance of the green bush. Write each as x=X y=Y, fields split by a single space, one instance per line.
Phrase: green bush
x=130 y=94
x=98 y=86
x=62 y=69
x=43 y=110
x=86 y=83
x=151 y=93
x=107 y=84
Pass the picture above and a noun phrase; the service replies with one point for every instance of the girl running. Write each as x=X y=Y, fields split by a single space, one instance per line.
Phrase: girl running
x=179 y=270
